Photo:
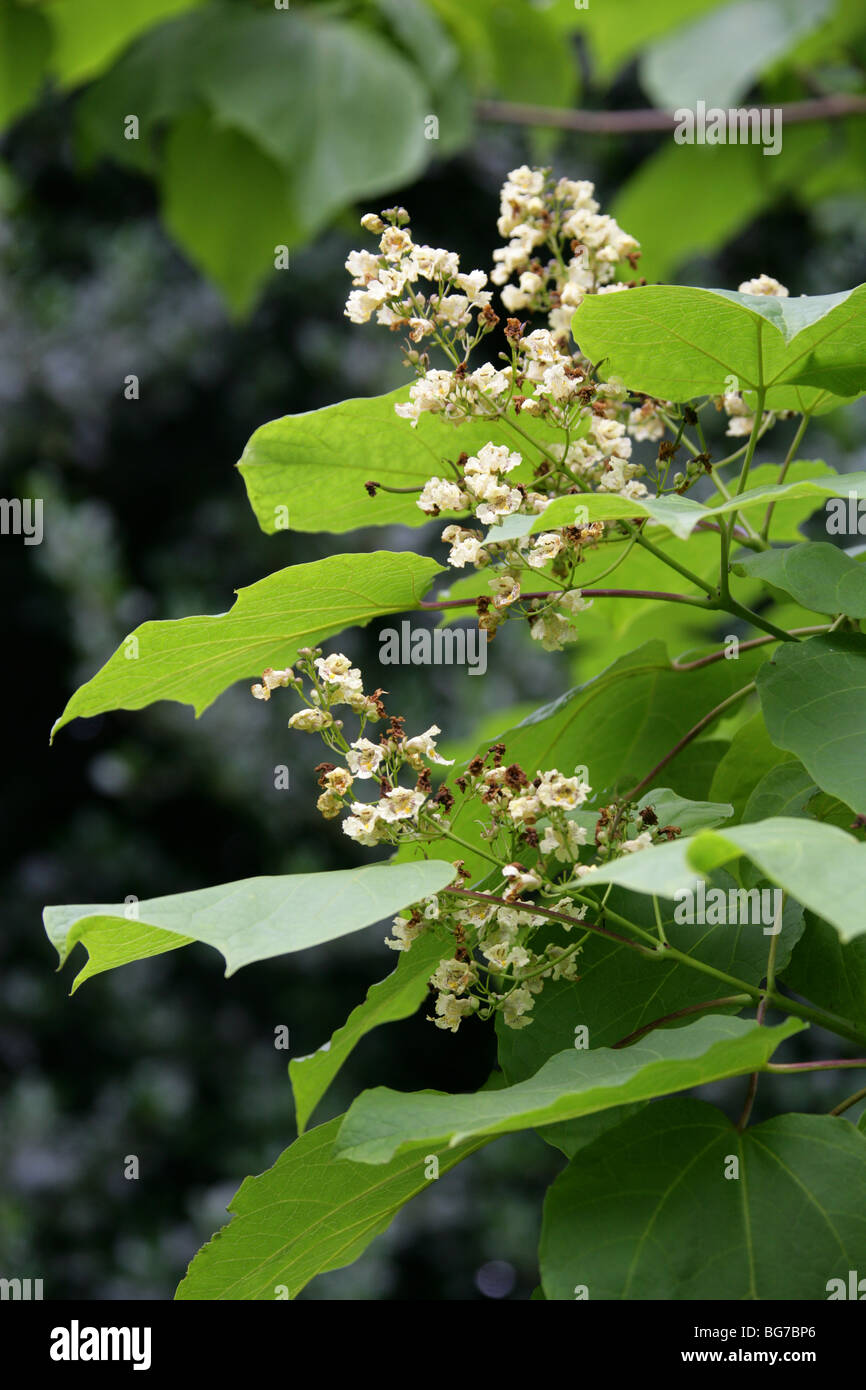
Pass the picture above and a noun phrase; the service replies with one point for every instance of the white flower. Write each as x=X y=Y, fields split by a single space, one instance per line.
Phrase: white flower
x=500 y=500
x=364 y=758
x=634 y=490
x=433 y=262
x=645 y=423
x=454 y=975
x=400 y=804
x=424 y=746
x=440 y=494
x=431 y=392
x=466 y=546
x=512 y=298
x=522 y=881
x=271 y=680
x=506 y=590
x=489 y=380
x=472 y=286
x=405 y=933
x=544 y=549
x=765 y=284
x=419 y=328
x=339 y=780
x=552 y=630
x=396 y=243
x=362 y=824
x=573 y=602
x=523 y=808
x=338 y=670
x=610 y=436
x=361 y=304
x=516 y=1007
x=501 y=955
x=564 y=792
x=451 y=1011
x=492 y=458
x=310 y=721
x=564 y=845
x=642 y=841
x=453 y=309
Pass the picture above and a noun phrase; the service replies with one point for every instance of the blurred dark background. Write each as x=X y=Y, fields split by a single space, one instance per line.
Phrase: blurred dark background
x=145 y=516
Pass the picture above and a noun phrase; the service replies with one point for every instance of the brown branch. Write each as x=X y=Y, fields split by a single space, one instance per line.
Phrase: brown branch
x=643 y=121
x=555 y=916
x=744 y=646
x=682 y=1013
x=687 y=738
x=587 y=593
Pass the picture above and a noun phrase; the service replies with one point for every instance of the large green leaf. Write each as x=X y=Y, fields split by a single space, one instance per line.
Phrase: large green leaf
x=305 y=1215
x=655 y=1209
x=212 y=178
x=707 y=60
x=619 y=991
x=194 y=659
x=784 y=790
x=348 y=444
x=251 y=920
x=88 y=34
x=677 y=342
x=829 y=972
x=277 y=104
x=381 y=1123
x=395 y=997
x=813 y=696
x=818 y=575
x=750 y=755
x=680 y=514
x=819 y=865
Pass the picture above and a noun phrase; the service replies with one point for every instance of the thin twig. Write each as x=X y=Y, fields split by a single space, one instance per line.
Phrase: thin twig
x=642 y=121
x=687 y=738
x=682 y=1013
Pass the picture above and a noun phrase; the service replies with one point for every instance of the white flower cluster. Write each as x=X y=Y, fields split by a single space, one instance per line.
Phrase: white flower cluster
x=764 y=284
x=454 y=310
x=500 y=942
x=560 y=247
x=540 y=217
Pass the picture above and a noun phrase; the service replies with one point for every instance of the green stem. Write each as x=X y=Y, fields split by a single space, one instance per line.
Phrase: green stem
x=789 y=458
x=846 y=1104
x=837 y=1064
x=668 y=560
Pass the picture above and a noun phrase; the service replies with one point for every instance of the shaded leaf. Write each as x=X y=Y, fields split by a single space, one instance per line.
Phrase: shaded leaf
x=647 y=1213
x=818 y=575
x=813 y=697
x=397 y=996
